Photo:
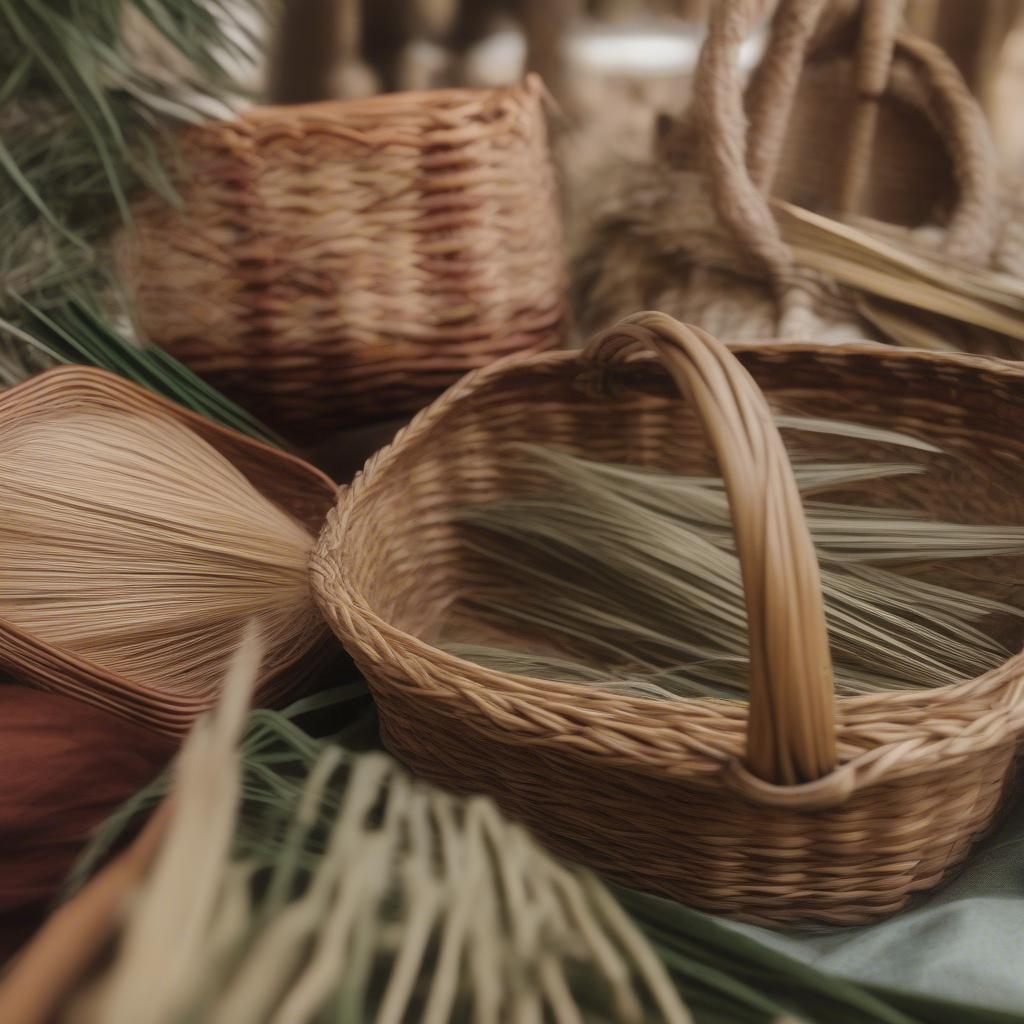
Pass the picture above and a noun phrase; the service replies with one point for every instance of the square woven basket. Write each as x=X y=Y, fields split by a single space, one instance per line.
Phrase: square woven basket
x=338 y=263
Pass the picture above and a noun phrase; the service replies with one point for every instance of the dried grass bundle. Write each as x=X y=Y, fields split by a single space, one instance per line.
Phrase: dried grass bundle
x=315 y=884
x=627 y=579
x=979 y=307
x=129 y=541
x=288 y=777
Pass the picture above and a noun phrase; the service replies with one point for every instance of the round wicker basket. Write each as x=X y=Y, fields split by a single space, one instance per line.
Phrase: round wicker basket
x=794 y=807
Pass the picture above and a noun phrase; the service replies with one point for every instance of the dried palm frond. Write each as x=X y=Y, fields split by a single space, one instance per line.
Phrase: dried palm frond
x=883 y=269
x=129 y=541
x=344 y=890
x=627 y=579
x=294 y=791
x=85 y=120
x=75 y=331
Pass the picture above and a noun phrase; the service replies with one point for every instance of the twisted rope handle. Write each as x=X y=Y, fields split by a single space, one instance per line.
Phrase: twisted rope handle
x=879 y=27
x=773 y=85
x=741 y=160
x=791 y=724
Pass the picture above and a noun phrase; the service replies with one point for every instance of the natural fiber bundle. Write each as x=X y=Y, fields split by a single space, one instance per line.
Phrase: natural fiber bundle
x=301 y=882
x=131 y=542
x=137 y=540
x=64 y=768
x=628 y=579
x=724 y=977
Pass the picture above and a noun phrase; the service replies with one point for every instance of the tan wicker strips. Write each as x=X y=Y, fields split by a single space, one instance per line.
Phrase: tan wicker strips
x=287 y=481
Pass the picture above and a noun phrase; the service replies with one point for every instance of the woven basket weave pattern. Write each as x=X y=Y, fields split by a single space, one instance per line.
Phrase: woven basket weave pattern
x=652 y=792
x=345 y=262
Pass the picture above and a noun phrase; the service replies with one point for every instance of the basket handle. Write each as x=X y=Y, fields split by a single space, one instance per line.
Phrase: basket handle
x=879 y=27
x=791 y=723
x=743 y=140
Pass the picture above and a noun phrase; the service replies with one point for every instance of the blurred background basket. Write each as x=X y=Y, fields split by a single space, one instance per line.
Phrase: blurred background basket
x=794 y=807
x=804 y=202
x=338 y=263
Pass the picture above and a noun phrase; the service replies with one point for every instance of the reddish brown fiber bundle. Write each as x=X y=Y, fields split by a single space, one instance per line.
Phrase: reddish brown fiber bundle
x=65 y=766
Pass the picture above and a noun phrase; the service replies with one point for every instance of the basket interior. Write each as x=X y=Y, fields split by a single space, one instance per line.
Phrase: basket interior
x=911 y=181
x=408 y=556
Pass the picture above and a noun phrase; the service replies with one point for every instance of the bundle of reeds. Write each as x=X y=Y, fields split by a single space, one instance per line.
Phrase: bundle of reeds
x=292 y=794
x=302 y=882
x=911 y=294
x=628 y=579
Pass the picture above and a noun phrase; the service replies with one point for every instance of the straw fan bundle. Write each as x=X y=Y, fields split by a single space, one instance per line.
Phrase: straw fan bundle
x=850 y=191
x=303 y=882
x=344 y=262
x=790 y=803
x=137 y=538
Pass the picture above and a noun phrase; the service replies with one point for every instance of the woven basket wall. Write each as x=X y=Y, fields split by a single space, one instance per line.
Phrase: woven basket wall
x=297 y=487
x=674 y=797
x=693 y=232
x=344 y=262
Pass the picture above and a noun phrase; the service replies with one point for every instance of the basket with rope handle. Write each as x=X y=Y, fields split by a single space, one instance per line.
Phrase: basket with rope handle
x=798 y=806
x=848 y=120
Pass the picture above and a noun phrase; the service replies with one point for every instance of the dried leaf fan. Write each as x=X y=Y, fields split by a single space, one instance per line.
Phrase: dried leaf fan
x=322 y=885
x=137 y=539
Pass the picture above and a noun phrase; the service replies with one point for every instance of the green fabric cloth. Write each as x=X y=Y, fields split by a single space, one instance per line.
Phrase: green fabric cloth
x=964 y=942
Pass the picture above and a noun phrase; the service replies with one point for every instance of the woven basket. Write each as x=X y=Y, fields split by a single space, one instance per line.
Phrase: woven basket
x=795 y=807
x=846 y=115
x=344 y=262
x=295 y=486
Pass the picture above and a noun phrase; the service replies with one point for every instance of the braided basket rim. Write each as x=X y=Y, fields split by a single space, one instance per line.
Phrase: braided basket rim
x=693 y=738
